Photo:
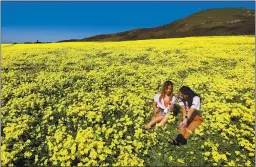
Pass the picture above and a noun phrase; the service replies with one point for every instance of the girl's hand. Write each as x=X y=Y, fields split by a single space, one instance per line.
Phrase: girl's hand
x=156 y=111
x=171 y=108
x=184 y=123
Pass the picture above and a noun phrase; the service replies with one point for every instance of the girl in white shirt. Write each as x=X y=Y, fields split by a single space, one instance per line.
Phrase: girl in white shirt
x=163 y=105
x=190 y=104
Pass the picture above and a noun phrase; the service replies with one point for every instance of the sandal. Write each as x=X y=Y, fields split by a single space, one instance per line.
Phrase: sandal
x=174 y=142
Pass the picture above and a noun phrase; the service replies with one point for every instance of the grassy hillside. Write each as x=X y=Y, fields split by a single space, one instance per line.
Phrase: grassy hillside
x=211 y=22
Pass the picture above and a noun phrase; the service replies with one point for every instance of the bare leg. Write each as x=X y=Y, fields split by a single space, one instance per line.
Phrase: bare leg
x=156 y=115
x=164 y=120
x=154 y=121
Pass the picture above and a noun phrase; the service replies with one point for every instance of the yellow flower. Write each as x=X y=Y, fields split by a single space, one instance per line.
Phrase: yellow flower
x=248 y=163
x=231 y=163
x=251 y=154
x=27 y=154
x=180 y=161
x=207 y=153
x=237 y=152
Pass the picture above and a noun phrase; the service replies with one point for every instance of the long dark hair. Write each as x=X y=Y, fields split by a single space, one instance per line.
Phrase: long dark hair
x=190 y=93
x=164 y=87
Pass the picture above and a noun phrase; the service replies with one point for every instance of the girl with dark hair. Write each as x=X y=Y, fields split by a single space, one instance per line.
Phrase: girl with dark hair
x=190 y=105
x=163 y=105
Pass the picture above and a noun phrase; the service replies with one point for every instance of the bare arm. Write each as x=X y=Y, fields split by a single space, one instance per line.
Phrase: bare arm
x=190 y=112
x=172 y=103
x=156 y=110
x=171 y=108
x=184 y=112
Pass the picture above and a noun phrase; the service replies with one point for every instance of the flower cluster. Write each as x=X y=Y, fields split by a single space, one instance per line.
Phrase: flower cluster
x=85 y=103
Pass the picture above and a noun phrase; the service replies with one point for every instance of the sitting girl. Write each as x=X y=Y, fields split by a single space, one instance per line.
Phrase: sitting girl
x=163 y=105
x=190 y=103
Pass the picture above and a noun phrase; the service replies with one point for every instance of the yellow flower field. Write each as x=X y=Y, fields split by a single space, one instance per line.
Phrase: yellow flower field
x=85 y=103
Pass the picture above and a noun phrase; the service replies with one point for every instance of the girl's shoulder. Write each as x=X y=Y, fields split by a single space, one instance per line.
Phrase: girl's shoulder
x=196 y=98
x=156 y=97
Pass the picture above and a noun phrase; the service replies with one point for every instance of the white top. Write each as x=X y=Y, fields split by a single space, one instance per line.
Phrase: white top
x=161 y=103
x=195 y=103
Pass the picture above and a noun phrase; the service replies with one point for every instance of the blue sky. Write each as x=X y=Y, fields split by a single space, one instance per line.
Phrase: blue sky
x=54 y=21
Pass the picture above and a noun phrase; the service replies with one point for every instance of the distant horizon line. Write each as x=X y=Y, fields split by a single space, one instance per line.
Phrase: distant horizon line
x=131 y=40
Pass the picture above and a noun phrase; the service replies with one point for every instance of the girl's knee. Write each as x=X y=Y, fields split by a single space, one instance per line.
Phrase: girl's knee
x=186 y=135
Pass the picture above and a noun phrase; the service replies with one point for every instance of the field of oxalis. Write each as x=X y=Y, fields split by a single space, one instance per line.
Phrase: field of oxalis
x=85 y=103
